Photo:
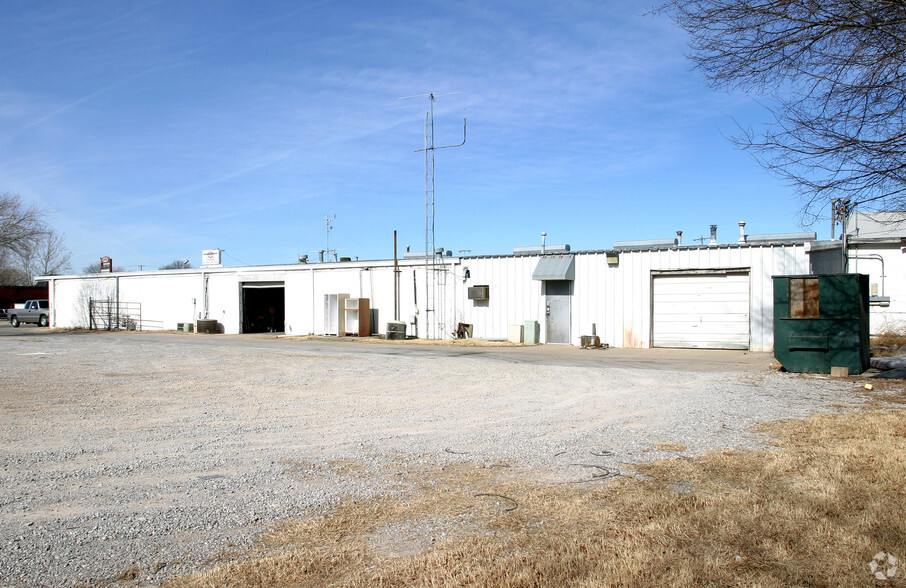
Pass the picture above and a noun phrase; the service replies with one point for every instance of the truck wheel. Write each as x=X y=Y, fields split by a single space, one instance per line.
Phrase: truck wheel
x=14 y=321
x=43 y=322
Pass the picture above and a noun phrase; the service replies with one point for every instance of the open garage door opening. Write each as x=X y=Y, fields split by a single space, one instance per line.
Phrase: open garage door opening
x=263 y=307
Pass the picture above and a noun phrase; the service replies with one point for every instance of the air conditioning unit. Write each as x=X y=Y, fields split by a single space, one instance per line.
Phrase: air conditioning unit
x=396 y=330
x=479 y=292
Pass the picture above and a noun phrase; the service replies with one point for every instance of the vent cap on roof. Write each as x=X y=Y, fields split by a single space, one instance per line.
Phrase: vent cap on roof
x=781 y=238
x=536 y=250
x=646 y=244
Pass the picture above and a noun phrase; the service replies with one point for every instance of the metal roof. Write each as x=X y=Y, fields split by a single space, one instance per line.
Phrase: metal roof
x=555 y=267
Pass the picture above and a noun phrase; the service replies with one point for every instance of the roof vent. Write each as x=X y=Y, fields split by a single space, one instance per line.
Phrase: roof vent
x=644 y=245
x=713 y=235
x=546 y=250
x=782 y=238
x=438 y=252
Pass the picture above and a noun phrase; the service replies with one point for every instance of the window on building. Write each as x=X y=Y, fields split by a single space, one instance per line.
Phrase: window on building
x=804 y=298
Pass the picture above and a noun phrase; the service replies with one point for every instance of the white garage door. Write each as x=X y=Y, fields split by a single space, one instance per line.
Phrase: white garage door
x=701 y=310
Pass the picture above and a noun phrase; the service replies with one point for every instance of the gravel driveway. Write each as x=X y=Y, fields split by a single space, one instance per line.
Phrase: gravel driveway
x=136 y=456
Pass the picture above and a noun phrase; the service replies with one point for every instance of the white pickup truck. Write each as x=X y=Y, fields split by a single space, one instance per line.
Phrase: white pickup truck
x=34 y=311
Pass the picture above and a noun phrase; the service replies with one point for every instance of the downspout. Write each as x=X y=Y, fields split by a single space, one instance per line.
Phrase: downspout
x=53 y=303
x=415 y=300
x=312 y=271
x=204 y=295
x=117 y=302
x=396 y=280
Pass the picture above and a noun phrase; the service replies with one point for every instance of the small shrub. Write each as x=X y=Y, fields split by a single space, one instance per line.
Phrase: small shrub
x=891 y=340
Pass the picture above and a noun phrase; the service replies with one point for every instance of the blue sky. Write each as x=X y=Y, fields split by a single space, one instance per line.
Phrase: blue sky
x=153 y=130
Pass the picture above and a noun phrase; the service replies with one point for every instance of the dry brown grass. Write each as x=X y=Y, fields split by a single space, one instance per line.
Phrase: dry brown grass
x=890 y=341
x=670 y=447
x=812 y=512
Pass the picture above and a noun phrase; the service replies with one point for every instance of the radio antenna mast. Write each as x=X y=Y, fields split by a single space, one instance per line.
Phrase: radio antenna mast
x=430 y=253
x=329 y=220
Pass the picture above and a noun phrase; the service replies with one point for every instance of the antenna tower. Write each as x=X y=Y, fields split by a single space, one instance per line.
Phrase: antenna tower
x=430 y=253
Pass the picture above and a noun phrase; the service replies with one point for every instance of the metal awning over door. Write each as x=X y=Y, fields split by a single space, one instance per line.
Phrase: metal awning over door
x=708 y=310
x=555 y=267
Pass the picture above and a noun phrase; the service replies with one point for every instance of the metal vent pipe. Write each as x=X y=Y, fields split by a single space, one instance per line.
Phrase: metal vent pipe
x=713 y=235
x=742 y=231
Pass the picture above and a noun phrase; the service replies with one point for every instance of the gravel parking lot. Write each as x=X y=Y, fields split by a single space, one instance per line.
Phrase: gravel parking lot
x=133 y=456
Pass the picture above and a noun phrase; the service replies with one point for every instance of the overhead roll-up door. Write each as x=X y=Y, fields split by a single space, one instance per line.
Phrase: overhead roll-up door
x=707 y=310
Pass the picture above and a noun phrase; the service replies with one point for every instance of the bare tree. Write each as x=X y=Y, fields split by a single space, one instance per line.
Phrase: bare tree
x=835 y=72
x=11 y=276
x=177 y=264
x=28 y=247
x=48 y=257
x=95 y=268
x=21 y=226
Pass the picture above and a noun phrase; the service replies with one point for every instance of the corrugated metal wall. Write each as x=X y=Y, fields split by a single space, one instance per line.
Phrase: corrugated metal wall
x=892 y=284
x=514 y=296
x=616 y=298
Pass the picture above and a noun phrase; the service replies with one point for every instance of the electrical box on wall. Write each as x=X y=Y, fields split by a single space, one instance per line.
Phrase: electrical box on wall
x=479 y=292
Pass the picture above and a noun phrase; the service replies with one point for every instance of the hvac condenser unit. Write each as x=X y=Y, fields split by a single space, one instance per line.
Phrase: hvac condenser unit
x=479 y=292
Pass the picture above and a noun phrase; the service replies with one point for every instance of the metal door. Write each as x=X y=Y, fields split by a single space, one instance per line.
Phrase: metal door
x=557 y=300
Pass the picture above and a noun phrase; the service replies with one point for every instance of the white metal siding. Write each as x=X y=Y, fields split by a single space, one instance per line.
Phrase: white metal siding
x=890 y=282
x=701 y=311
x=514 y=297
x=615 y=298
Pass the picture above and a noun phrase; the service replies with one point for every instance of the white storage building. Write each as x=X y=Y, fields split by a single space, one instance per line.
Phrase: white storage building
x=638 y=294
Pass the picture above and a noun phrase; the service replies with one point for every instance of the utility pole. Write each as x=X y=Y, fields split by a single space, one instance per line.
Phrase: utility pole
x=840 y=211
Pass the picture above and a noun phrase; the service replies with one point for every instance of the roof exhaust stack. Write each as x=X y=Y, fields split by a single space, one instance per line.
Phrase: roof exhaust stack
x=543 y=239
x=742 y=231
x=679 y=238
x=713 y=236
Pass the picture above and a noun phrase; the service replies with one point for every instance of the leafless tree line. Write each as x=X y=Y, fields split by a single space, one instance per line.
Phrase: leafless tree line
x=834 y=75
x=28 y=246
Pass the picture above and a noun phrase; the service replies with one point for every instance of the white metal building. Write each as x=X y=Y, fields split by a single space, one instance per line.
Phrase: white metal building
x=654 y=294
x=875 y=244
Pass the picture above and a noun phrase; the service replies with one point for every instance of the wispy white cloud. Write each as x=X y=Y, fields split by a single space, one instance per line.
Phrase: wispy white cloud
x=284 y=112
x=137 y=202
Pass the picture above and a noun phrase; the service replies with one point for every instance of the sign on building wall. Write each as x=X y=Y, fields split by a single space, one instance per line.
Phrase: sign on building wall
x=211 y=258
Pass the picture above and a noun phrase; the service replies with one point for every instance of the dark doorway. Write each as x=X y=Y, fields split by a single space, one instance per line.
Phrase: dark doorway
x=263 y=308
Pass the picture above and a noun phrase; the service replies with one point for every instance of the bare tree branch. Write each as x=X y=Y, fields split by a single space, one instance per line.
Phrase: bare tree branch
x=21 y=226
x=836 y=72
x=28 y=247
x=49 y=257
x=177 y=264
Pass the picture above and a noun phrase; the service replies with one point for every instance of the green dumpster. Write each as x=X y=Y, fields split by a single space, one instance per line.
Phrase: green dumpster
x=820 y=322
